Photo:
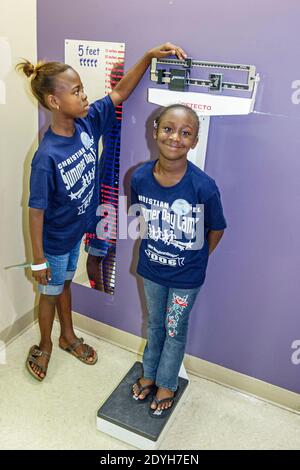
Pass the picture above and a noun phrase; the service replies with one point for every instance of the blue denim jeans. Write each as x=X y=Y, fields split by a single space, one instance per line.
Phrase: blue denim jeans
x=168 y=317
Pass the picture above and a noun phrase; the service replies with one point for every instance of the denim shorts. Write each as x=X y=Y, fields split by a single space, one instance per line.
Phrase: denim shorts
x=92 y=249
x=98 y=247
x=63 y=268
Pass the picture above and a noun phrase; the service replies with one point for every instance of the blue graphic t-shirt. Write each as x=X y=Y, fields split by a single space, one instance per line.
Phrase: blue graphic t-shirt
x=63 y=178
x=177 y=219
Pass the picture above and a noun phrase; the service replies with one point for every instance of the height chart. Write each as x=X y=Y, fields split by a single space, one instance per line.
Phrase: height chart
x=100 y=66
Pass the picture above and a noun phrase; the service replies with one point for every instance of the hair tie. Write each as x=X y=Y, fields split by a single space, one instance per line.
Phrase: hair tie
x=37 y=69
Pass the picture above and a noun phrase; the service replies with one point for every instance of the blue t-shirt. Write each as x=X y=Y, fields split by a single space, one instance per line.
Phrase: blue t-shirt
x=64 y=178
x=174 y=250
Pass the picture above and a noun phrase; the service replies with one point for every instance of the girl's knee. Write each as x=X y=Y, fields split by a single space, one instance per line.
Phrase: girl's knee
x=49 y=299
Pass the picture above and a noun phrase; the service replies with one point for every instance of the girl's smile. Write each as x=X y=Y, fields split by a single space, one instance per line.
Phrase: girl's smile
x=176 y=134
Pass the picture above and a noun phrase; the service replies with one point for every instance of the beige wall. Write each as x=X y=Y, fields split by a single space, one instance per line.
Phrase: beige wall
x=18 y=140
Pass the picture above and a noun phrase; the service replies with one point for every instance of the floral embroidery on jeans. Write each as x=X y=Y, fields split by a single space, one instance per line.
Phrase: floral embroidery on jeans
x=175 y=312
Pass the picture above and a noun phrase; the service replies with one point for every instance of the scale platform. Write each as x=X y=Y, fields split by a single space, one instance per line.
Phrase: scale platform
x=124 y=418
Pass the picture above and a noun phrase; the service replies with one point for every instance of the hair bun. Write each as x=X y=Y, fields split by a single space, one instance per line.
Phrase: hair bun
x=28 y=68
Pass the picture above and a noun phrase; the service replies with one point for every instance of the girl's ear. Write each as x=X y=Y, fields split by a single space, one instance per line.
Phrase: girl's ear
x=155 y=127
x=52 y=101
x=195 y=142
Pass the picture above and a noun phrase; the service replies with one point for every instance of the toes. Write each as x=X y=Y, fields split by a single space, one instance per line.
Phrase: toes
x=162 y=406
x=136 y=391
x=92 y=355
x=37 y=370
x=140 y=396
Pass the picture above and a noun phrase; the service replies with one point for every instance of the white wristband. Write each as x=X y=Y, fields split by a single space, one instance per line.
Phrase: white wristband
x=39 y=267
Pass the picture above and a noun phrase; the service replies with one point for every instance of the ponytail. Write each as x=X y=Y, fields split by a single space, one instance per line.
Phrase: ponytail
x=42 y=77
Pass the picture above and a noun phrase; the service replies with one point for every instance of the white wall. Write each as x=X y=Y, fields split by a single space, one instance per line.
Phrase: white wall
x=18 y=140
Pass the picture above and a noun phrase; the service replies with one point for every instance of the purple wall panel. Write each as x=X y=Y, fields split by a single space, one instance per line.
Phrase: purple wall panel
x=246 y=317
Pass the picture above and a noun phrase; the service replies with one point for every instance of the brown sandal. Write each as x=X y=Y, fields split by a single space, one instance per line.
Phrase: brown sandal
x=85 y=355
x=35 y=352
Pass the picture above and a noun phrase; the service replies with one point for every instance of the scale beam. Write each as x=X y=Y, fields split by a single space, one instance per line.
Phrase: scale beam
x=179 y=78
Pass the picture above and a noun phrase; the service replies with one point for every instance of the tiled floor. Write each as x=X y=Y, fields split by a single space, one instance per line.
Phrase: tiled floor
x=60 y=413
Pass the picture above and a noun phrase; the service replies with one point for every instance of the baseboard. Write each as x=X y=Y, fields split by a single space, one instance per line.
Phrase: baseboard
x=120 y=338
x=18 y=327
x=242 y=383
